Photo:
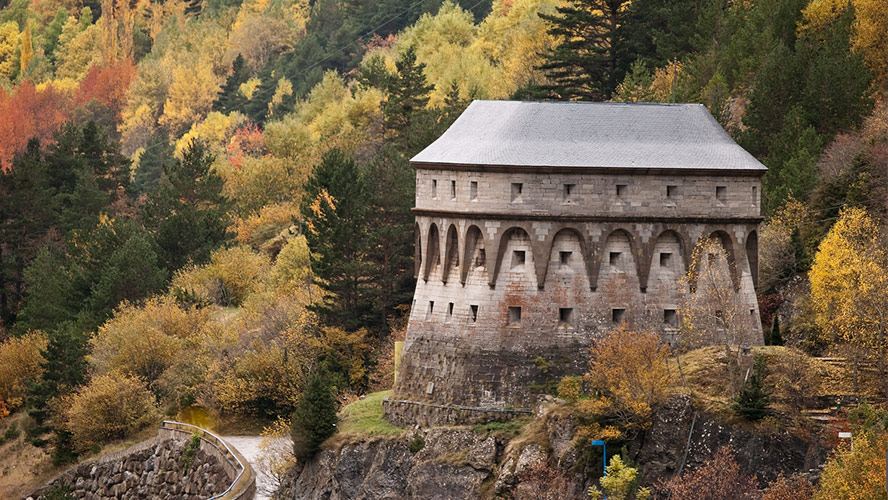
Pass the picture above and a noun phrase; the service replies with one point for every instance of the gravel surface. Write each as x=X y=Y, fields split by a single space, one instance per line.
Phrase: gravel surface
x=248 y=446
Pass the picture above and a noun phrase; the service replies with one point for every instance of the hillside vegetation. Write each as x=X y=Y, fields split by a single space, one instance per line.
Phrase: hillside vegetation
x=204 y=202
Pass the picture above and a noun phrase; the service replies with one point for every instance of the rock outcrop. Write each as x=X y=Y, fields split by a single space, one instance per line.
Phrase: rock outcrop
x=461 y=463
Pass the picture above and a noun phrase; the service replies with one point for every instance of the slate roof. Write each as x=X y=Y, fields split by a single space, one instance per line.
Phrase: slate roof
x=588 y=134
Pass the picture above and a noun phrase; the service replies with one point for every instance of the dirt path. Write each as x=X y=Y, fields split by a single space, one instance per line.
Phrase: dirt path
x=248 y=446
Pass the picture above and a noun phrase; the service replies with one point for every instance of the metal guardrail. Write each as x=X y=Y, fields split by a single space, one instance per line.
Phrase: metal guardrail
x=219 y=440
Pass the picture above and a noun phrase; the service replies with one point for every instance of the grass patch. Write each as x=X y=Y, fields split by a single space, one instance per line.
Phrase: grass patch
x=511 y=428
x=364 y=418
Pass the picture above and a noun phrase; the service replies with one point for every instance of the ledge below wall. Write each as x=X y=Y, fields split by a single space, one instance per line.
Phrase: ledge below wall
x=406 y=413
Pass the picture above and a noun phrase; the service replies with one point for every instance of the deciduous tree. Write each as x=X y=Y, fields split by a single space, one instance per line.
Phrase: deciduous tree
x=849 y=284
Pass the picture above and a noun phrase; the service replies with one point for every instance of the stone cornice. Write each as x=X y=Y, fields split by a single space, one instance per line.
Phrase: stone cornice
x=691 y=219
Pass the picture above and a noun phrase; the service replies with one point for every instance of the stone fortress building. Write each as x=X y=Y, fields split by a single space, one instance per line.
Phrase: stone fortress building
x=542 y=225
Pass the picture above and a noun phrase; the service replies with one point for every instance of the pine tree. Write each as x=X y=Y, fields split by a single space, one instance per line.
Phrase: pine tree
x=230 y=98
x=334 y=211
x=158 y=155
x=753 y=400
x=314 y=419
x=776 y=338
x=408 y=92
x=188 y=214
x=64 y=368
x=582 y=66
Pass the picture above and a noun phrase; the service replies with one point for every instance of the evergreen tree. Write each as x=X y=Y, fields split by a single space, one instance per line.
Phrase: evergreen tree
x=776 y=338
x=64 y=369
x=753 y=400
x=158 y=155
x=230 y=98
x=408 y=92
x=314 y=419
x=334 y=211
x=188 y=214
x=583 y=66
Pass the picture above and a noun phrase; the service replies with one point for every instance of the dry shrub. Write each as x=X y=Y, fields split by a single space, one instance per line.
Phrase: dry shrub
x=231 y=275
x=145 y=341
x=541 y=482
x=792 y=378
x=110 y=407
x=276 y=457
x=20 y=361
x=628 y=369
x=794 y=488
x=718 y=479
x=260 y=230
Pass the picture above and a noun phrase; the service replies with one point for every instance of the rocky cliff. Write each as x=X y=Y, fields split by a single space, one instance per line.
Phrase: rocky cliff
x=448 y=463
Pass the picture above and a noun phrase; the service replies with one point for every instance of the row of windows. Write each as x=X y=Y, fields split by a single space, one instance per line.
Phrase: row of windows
x=568 y=192
x=565 y=314
x=564 y=258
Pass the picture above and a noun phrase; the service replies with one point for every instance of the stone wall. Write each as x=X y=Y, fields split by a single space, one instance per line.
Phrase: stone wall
x=155 y=469
x=543 y=192
x=520 y=270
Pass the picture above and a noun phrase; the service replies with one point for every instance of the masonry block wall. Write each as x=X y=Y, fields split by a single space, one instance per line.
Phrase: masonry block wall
x=519 y=269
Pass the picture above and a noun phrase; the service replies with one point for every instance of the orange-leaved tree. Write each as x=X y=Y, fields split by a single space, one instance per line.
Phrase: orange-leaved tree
x=630 y=376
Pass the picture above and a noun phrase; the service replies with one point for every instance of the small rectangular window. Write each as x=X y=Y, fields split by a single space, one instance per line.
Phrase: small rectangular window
x=517 y=258
x=565 y=315
x=670 y=317
x=665 y=259
x=434 y=188
x=452 y=190
x=618 y=315
x=567 y=192
x=517 y=190
x=721 y=193
x=514 y=314
x=473 y=309
x=671 y=191
x=480 y=261
x=621 y=189
x=755 y=194
x=614 y=258
x=474 y=190
x=431 y=309
x=564 y=258
x=450 y=310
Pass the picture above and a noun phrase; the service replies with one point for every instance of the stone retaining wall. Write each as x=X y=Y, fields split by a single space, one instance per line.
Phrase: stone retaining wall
x=156 y=469
x=407 y=413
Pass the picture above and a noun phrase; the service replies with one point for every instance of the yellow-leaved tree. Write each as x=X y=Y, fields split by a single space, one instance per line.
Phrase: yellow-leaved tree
x=869 y=29
x=9 y=38
x=849 y=285
x=630 y=375
x=20 y=361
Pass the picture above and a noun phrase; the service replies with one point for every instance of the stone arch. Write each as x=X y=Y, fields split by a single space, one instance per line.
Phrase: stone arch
x=451 y=252
x=584 y=253
x=504 y=238
x=727 y=242
x=675 y=264
x=433 y=252
x=752 y=255
x=603 y=257
x=474 y=253
x=417 y=250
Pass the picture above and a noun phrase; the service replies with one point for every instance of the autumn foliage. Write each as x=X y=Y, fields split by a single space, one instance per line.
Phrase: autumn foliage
x=718 y=479
x=27 y=113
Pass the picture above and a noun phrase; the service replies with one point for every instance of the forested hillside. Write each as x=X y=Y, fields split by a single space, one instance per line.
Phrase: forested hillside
x=204 y=202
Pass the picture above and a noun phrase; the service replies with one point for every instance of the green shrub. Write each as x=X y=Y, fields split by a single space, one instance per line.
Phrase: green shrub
x=753 y=400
